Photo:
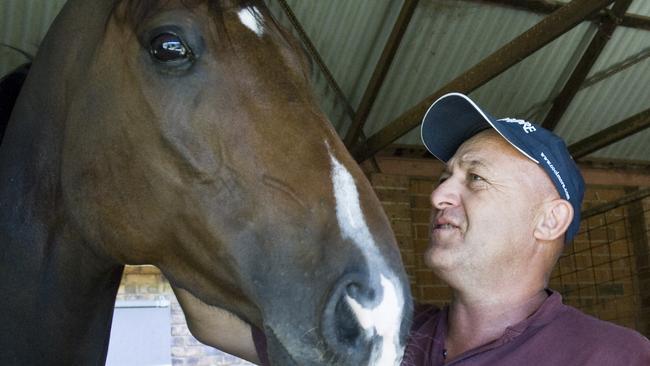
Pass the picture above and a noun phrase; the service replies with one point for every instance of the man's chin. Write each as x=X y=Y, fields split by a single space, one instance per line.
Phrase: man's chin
x=441 y=258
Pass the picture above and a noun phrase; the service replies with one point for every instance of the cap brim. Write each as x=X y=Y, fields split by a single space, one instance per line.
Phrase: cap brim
x=453 y=119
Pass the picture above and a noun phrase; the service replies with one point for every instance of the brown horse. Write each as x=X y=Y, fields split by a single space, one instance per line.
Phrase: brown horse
x=182 y=133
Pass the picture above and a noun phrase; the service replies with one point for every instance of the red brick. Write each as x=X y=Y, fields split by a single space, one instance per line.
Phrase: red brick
x=582 y=261
x=409 y=259
x=422 y=187
x=421 y=202
x=619 y=248
x=390 y=181
x=435 y=293
x=397 y=211
x=585 y=276
x=594 y=222
x=609 y=195
x=402 y=228
x=421 y=216
x=420 y=262
x=405 y=242
x=420 y=245
x=603 y=274
x=421 y=231
x=424 y=276
x=392 y=195
x=566 y=265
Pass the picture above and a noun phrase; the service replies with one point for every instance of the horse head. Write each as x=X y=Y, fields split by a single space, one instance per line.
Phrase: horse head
x=183 y=134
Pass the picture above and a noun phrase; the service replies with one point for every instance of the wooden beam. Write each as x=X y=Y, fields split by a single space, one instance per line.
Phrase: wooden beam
x=628 y=198
x=521 y=47
x=618 y=176
x=547 y=6
x=535 y=6
x=381 y=69
x=636 y=21
x=610 y=135
x=587 y=61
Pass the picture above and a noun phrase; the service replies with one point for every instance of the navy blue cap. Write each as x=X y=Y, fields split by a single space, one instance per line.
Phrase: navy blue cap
x=454 y=118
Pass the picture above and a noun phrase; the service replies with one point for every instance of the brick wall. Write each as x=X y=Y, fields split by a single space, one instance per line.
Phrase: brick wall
x=597 y=272
x=147 y=283
x=642 y=254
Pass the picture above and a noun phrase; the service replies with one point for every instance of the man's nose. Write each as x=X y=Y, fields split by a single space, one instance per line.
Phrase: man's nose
x=445 y=195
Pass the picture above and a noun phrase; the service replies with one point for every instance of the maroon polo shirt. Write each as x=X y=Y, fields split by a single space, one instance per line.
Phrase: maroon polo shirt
x=556 y=334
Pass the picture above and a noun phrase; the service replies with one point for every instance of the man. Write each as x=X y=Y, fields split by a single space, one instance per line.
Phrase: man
x=507 y=204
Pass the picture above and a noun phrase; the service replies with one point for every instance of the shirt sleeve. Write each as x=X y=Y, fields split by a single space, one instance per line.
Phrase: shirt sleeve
x=260 y=346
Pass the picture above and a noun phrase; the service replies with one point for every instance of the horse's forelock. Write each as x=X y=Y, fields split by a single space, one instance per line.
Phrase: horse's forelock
x=134 y=12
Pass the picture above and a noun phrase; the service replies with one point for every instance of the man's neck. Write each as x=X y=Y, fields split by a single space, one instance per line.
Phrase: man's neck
x=473 y=321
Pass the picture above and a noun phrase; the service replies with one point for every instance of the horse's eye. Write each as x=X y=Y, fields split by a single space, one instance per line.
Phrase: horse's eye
x=167 y=47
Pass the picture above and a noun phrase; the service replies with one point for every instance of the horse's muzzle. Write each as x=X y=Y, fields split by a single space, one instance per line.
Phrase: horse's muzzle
x=362 y=320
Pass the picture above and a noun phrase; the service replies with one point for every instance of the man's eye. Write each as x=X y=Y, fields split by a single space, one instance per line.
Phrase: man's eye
x=475 y=178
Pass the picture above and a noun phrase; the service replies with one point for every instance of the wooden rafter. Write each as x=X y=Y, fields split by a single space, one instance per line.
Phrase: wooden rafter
x=610 y=135
x=548 y=6
x=596 y=46
x=550 y=28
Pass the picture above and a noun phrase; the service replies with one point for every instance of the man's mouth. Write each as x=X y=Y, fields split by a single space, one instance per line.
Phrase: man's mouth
x=445 y=227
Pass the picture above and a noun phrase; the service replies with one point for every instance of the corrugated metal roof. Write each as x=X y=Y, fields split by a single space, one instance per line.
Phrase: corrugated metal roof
x=23 y=25
x=445 y=38
x=615 y=98
x=640 y=7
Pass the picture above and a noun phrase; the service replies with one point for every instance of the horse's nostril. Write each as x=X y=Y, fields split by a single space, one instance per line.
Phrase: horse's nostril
x=353 y=290
x=362 y=295
x=343 y=327
x=348 y=329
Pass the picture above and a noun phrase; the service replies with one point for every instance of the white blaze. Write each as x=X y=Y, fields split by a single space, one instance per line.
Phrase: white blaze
x=348 y=209
x=252 y=19
x=384 y=319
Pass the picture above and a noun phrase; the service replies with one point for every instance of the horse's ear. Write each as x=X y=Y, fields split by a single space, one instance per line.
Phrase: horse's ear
x=10 y=86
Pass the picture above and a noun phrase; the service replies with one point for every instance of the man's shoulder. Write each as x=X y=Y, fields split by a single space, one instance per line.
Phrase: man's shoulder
x=587 y=323
x=606 y=335
x=567 y=336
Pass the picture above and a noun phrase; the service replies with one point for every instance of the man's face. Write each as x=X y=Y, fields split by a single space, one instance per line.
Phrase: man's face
x=484 y=211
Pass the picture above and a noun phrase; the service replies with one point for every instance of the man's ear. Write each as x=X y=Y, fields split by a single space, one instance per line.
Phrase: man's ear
x=554 y=220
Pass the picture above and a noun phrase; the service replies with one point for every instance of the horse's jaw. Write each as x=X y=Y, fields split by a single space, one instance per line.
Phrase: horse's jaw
x=216 y=326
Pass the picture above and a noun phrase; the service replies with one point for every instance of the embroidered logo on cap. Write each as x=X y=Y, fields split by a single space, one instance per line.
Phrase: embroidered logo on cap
x=527 y=126
x=557 y=174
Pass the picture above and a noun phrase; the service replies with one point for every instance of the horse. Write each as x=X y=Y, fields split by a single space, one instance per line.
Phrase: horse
x=183 y=134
